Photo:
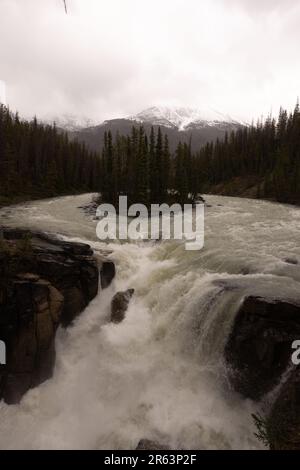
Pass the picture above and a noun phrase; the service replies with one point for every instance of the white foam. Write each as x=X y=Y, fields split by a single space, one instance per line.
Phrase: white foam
x=159 y=374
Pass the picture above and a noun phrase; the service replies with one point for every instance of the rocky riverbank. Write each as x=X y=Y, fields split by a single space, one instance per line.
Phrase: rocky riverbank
x=259 y=360
x=44 y=282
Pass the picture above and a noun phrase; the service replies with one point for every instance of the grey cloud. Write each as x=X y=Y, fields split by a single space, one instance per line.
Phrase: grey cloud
x=263 y=6
x=106 y=59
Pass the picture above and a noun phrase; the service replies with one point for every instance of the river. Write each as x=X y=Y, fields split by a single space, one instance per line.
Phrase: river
x=160 y=373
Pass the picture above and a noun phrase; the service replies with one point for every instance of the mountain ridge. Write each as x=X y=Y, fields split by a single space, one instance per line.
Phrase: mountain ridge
x=179 y=124
x=183 y=117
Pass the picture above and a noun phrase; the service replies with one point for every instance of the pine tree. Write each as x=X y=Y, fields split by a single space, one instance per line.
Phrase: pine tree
x=159 y=156
x=181 y=183
x=141 y=194
x=37 y=161
x=152 y=167
x=166 y=168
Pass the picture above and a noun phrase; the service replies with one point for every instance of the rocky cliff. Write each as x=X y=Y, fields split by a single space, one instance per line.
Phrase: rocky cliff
x=259 y=360
x=44 y=282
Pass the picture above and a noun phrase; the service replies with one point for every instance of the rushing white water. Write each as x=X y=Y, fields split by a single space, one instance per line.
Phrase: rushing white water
x=160 y=373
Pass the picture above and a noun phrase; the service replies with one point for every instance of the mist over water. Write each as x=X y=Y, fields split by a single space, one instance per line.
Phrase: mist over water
x=160 y=373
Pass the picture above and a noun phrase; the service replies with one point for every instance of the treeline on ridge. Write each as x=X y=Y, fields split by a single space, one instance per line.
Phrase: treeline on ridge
x=37 y=161
x=262 y=161
x=264 y=158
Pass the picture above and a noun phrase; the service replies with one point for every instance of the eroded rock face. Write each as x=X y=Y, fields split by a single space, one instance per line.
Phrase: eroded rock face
x=119 y=305
x=28 y=322
x=49 y=285
x=259 y=348
x=283 y=423
x=70 y=267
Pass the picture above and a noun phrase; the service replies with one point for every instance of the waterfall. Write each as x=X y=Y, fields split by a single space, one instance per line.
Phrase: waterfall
x=160 y=373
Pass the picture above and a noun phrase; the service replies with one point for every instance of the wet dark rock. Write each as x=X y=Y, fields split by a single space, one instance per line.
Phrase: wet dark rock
x=91 y=207
x=283 y=422
x=48 y=284
x=28 y=321
x=70 y=267
x=119 y=305
x=291 y=261
x=107 y=273
x=13 y=234
x=198 y=200
x=245 y=271
x=146 y=444
x=259 y=348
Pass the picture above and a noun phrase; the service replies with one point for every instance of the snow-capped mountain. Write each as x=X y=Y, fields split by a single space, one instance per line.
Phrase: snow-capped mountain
x=197 y=126
x=183 y=118
x=70 y=122
x=177 y=118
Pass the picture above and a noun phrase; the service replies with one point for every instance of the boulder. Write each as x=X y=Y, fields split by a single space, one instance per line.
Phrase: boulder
x=291 y=260
x=119 y=305
x=44 y=282
x=283 y=422
x=146 y=444
x=70 y=267
x=259 y=348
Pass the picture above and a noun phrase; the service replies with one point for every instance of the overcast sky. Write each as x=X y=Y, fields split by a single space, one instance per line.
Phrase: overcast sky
x=115 y=57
